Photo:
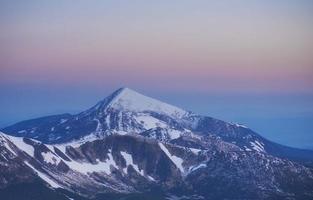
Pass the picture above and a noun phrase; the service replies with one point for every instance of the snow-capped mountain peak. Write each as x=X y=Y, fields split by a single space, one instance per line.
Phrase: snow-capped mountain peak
x=129 y=143
x=126 y=99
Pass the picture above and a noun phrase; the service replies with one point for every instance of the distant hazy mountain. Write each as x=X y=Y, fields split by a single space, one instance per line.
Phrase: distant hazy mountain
x=129 y=146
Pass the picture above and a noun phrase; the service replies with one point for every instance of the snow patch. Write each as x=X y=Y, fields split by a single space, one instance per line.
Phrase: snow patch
x=50 y=158
x=86 y=168
x=149 y=122
x=247 y=149
x=195 y=151
x=174 y=134
x=63 y=121
x=239 y=125
x=22 y=131
x=194 y=168
x=107 y=121
x=150 y=178
x=129 y=161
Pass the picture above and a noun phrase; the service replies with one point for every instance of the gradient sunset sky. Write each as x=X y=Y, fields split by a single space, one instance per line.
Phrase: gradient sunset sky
x=244 y=61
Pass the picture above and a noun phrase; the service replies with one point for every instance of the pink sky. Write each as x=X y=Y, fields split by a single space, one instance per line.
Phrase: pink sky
x=187 y=46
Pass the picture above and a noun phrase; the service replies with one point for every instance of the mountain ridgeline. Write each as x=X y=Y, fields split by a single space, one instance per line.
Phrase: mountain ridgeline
x=129 y=146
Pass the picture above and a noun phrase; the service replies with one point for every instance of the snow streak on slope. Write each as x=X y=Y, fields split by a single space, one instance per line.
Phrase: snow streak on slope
x=176 y=160
x=44 y=177
x=256 y=145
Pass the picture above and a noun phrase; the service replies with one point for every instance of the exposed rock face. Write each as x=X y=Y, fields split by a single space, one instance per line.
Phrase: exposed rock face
x=129 y=143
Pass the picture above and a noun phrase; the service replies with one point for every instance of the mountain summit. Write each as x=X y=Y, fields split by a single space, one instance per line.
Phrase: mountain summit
x=129 y=100
x=129 y=143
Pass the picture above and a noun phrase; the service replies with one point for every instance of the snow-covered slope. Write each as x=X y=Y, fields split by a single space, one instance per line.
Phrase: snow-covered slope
x=116 y=164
